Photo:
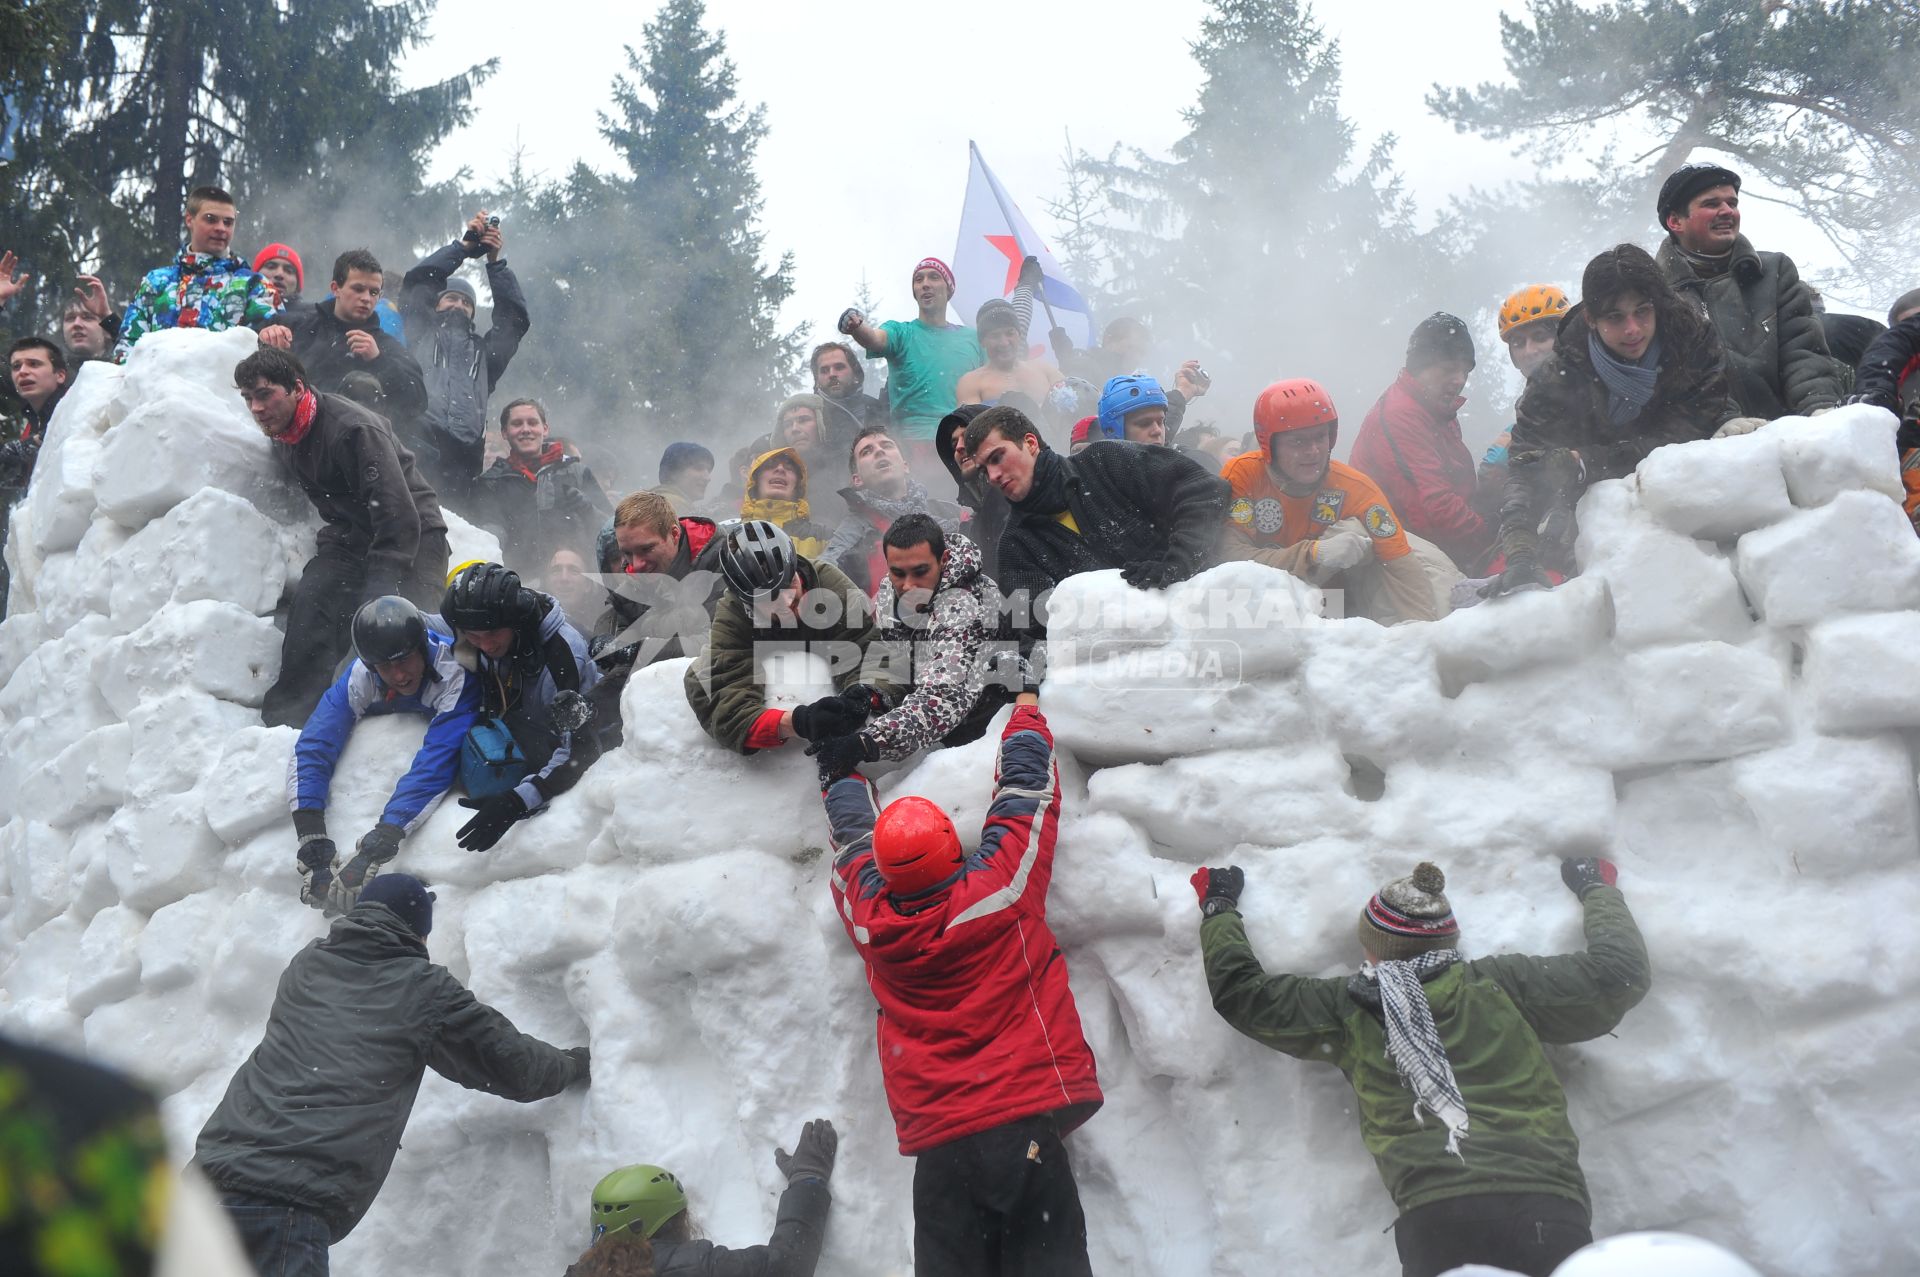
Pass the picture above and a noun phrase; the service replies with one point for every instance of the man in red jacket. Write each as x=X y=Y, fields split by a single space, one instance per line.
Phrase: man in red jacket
x=1410 y=444
x=985 y=1066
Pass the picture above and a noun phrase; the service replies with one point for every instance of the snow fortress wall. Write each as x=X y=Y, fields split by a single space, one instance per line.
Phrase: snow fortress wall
x=1724 y=703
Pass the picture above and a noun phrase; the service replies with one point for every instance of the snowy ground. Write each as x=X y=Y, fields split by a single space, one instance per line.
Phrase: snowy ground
x=1724 y=704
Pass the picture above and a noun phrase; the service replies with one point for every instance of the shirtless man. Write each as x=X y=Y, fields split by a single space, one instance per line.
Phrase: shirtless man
x=1004 y=340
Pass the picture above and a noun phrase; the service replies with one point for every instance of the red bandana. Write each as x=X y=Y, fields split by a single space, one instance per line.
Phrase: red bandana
x=303 y=411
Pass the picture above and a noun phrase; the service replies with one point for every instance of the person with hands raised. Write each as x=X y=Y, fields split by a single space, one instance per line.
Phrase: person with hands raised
x=649 y=1202
x=1457 y=1101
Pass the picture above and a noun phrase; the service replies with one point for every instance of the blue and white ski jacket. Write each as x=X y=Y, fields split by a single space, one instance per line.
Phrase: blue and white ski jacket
x=448 y=694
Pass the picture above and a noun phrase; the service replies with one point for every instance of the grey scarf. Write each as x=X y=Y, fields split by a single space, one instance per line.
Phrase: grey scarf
x=1414 y=1044
x=1629 y=386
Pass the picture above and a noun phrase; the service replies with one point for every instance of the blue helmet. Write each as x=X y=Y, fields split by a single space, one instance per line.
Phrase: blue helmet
x=1122 y=395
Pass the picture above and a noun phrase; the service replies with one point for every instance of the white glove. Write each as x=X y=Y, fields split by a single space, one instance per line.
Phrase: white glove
x=1821 y=412
x=1341 y=548
x=1739 y=426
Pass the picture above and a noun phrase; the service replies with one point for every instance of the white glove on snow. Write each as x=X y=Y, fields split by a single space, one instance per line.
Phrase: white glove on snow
x=1739 y=426
x=1341 y=548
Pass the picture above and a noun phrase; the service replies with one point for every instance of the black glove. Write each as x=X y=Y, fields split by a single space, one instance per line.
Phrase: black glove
x=828 y=716
x=381 y=843
x=1586 y=873
x=867 y=699
x=1152 y=574
x=16 y=463
x=1218 y=889
x=1031 y=274
x=812 y=1156
x=582 y=1064
x=1022 y=674
x=1520 y=574
x=1878 y=401
x=317 y=855
x=841 y=755
x=496 y=815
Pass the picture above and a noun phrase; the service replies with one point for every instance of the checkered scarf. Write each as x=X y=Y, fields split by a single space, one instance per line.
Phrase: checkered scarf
x=1414 y=1044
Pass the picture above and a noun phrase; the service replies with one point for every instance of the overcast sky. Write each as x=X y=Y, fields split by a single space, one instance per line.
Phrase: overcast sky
x=869 y=114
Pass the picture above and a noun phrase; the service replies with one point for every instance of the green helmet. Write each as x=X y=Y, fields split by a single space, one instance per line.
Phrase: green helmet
x=638 y=1197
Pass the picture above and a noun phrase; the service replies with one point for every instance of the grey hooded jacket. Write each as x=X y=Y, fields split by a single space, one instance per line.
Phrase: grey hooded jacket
x=461 y=366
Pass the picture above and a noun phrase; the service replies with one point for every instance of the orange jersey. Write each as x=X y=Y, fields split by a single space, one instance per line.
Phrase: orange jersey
x=1270 y=518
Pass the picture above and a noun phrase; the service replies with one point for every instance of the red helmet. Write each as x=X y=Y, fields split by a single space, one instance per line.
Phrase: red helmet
x=914 y=845
x=1299 y=403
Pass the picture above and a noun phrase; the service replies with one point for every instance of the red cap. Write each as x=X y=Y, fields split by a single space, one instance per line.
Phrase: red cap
x=1083 y=429
x=272 y=251
x=915 y=846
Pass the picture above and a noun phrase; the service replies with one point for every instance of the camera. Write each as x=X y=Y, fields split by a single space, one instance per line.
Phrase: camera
x=472 y=237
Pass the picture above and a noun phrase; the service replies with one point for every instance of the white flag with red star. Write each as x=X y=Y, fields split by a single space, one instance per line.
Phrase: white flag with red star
x=994 y=240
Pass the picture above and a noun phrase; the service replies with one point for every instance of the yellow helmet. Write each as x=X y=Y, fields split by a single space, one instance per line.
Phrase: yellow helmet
x=1532 y=303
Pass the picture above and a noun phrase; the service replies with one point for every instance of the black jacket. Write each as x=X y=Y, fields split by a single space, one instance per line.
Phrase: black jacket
x=320 y=344
x=1889 y=373
x=367 y=489
x=1132 y=501
x=22 y=431
x=560 y=506
x=846 y=416
x=461 y=366
x=314 y=1116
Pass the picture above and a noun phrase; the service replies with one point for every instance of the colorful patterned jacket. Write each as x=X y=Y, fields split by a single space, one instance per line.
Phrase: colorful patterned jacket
x=197 y=291
x=943 y=649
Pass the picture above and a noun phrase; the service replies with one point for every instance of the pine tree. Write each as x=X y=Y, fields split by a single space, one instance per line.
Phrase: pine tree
x=1270 y=242
x=1819 y=99
x=653 y=271
x=296 y=109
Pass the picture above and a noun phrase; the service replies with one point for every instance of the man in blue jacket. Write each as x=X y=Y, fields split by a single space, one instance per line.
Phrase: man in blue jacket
x=402 y=666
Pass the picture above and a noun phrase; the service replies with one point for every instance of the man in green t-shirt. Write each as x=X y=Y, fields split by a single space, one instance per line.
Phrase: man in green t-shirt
x=926 y=359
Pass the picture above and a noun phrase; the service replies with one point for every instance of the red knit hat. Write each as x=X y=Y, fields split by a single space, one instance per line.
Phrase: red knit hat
x=272 y=251
x=934 y=263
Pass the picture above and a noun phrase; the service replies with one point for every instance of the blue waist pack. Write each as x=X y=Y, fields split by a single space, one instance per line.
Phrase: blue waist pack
x=491 y=761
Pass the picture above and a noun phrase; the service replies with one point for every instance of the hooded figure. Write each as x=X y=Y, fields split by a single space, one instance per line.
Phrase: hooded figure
x=990 y=509
x=791 y=514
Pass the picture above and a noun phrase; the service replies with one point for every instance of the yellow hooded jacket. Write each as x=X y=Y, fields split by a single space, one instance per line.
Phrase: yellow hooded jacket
x=792 y=517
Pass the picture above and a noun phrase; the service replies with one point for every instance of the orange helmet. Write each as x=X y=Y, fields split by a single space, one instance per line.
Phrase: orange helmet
x=914 y=846
x=1299 y=403
x=1534 y=302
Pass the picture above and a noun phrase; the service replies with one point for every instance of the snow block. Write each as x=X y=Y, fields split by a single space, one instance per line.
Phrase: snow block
x=1701 y=701
x=162 y=852
x=1847 y=449
x=61 y=500
x=1534 y=628
x=246 y=790
x=156 y=764
x=256 y=933
x=178 y=941
x=1857 y=553
x=108 y=968
x=220 y=648
x=87 y=776
x=1863 y=672
x=1193 y=807
x=213 y=545
x=1715 y=488
x=35 y=859
x=1377 y=691
x=1835 y=805
x=1665 y=587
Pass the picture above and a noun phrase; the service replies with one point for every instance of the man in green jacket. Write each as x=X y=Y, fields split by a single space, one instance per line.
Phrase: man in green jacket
x=1489 y=1173
x=1777 y=357
x=777 y=600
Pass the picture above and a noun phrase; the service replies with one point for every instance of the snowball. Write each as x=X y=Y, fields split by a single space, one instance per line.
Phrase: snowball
x=1863 y=672
x=1715 y=488
x=1849 y=448
x=1857 y=553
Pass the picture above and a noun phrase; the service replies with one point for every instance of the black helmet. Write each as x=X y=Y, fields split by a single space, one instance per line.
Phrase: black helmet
x=487 y=596
x=757 y=559
x=386 y=629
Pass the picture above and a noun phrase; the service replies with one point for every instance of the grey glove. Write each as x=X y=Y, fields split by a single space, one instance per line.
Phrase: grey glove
x=812 y=1156
x=1341 y=548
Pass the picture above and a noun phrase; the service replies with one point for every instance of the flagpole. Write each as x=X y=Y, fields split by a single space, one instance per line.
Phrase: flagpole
x=1013 y=227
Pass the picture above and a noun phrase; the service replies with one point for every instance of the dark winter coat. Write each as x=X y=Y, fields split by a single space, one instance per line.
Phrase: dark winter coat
x=723 y=683
x=363 y=482
x=461 y=366
x=1776 y=348
x=22 y=430
x=519 y=689
x=793 y=1251
x=991 y=513
x=1133 y=501
x=696 y=561
x=855 y=547
x=314 y=1116
x=1564 y=410
x=943 y=649
x=320 y=344
x=977 y=1024
x=557 y=505
x=1889 y=373
x=845 y=417
x=1492 y=1015
x=1415 y=453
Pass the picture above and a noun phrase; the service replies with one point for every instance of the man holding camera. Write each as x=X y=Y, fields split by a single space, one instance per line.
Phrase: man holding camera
x=461 y=365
